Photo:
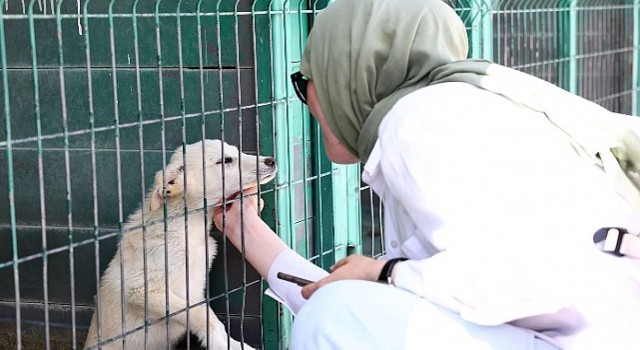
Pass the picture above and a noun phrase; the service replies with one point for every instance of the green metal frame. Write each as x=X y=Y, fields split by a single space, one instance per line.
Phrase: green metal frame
x=567 y=41
x=329 y=228
x=480 y=28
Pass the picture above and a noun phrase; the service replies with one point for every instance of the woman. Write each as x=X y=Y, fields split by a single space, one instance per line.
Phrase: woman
x=495 y=184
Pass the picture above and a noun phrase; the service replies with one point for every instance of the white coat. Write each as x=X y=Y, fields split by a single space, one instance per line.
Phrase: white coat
x=497 y=212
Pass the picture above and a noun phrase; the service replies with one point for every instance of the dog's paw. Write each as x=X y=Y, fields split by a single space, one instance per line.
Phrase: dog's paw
x=236 y=345
x=245 y=347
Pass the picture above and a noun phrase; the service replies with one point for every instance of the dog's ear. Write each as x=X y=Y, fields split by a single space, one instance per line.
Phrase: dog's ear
x=174 y=183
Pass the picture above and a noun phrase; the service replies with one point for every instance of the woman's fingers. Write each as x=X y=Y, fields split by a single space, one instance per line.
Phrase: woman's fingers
x=340 y=263
x=353 y=267
x=339 y=271
x=250 y=190
x=309 y=289
x=232 y=206
x=249 y=197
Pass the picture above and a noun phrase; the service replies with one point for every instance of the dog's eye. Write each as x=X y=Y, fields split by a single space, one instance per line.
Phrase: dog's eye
x=226 y=160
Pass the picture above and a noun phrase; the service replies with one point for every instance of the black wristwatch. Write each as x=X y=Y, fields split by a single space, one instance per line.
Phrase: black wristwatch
x=387 y=269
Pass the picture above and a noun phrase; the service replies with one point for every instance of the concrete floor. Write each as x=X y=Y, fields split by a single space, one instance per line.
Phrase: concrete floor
x=33 y=338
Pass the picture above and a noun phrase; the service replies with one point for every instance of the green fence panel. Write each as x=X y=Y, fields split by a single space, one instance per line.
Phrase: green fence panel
x=94 y=95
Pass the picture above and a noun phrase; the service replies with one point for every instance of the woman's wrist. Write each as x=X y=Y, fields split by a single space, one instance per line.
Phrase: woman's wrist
x=377 y=267
x=235 y=224
x=261 y=243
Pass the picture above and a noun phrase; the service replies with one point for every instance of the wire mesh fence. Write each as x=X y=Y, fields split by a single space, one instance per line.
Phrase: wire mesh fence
x=96 y=96
x=586 y=47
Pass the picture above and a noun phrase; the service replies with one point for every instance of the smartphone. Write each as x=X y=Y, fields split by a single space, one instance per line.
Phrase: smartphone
x=293 y=279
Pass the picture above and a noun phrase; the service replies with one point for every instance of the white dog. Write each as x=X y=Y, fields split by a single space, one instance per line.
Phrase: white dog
x=182 y=184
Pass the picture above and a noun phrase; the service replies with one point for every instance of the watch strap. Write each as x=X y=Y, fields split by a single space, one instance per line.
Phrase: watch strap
x=387 y=269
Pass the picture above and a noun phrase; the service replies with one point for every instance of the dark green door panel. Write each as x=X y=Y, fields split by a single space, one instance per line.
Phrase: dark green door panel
x=226 y=35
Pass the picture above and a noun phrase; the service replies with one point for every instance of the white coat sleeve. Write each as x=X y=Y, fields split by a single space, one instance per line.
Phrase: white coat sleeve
x=289 y=293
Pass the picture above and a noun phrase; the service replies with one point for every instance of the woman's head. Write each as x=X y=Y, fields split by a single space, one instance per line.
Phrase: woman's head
x=362 y=53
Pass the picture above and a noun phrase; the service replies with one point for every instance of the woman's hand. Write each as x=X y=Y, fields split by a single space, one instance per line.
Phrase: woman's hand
x=353 y=267
x=247 y=232
x=252 y=206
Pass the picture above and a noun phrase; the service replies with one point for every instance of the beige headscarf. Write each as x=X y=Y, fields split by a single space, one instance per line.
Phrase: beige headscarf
x=364 y=55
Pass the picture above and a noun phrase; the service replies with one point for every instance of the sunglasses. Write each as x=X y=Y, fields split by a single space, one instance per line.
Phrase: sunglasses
x=300 y=86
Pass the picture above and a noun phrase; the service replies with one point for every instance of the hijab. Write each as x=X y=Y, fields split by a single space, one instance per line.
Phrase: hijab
x=365 y=55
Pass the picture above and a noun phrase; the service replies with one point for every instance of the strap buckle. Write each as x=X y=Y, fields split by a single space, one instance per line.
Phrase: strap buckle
x=617 y=241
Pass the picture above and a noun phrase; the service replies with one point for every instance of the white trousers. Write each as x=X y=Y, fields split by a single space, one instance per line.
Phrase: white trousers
x=367 y=315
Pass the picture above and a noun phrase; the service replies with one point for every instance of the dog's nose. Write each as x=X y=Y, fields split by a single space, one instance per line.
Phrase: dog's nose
x=269 y=161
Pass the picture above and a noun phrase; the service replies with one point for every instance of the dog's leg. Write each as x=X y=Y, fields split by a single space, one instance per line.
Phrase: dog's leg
x=215 y=329
x=197 y=319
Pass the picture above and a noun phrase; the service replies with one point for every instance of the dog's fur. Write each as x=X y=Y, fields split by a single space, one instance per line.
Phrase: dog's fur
x=182 y=184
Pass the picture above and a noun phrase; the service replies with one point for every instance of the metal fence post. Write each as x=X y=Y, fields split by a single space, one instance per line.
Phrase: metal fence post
x=10 y=178
x=572 y=47
x=280 y=63
x=568 y=45
x=636 y=58
x=347 y=220
x=481 y=29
